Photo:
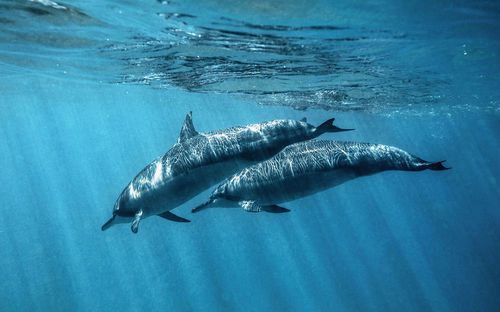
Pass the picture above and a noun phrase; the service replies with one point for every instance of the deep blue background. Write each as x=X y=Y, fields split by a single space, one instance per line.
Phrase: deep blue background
x=413 y=241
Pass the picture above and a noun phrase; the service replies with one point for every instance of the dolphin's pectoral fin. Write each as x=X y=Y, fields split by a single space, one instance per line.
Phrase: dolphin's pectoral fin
x=250 y=206
x=172 y=217
x=187 y=130
x=135 y=223
x=275 y=209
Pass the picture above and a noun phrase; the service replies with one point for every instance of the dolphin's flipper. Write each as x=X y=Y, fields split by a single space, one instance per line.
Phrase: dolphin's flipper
x=135 y=223
x=187 y=130
x=172 y=217
x=275 y=209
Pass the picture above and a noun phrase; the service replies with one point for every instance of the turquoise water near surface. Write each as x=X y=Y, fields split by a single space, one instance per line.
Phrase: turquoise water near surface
x=92 y=93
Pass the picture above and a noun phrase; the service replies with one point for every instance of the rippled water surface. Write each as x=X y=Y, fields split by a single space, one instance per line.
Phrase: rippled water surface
x=339 y=57
x=92 y=91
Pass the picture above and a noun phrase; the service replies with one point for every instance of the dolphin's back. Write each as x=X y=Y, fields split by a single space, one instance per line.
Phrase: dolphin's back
x=307 y=167
x=318 y=155
x=245 y=144
x=199 y=160
x=196 y=163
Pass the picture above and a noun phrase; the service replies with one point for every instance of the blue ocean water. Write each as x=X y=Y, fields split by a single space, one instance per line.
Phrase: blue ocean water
x=92 y=91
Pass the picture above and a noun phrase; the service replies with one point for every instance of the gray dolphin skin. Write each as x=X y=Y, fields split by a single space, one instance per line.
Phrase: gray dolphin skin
x=306 y=168
x=200 y=160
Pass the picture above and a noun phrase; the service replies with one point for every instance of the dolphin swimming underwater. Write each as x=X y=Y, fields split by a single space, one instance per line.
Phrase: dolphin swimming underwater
x=306 y=168
x=199 y=160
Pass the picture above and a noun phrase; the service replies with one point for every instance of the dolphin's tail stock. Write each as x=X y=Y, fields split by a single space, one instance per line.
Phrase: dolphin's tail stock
x=204 y=205
x=328 y=126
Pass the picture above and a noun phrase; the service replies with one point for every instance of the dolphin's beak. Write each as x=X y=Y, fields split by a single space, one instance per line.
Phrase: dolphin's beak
x=337 y=129
x=108 y=224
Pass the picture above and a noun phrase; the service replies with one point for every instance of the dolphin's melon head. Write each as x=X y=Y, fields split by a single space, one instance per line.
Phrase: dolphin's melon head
x=123 y=210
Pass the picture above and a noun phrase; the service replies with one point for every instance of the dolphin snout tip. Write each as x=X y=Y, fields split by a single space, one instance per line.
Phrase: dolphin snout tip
x=108 y=223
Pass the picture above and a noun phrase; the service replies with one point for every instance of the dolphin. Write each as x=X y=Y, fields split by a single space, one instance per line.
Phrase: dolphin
x=200 y=160
x=306 y=168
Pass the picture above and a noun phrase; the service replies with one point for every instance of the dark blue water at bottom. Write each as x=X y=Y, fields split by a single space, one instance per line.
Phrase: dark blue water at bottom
x=91 y=93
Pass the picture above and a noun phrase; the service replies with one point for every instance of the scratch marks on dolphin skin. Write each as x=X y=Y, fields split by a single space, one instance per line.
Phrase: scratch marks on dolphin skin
x=181 y=173
x=313 y=156
x=301 y=159
x=158 y=173
x=133 y=193
x=216 y=146
x=308 y=167
x=50 y=3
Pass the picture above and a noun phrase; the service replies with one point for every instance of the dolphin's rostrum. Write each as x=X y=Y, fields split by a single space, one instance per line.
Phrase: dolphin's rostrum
x=199 y=160
x=306 y=168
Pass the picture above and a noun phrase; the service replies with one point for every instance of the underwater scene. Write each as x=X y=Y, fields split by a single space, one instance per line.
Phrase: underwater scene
x=266 y=155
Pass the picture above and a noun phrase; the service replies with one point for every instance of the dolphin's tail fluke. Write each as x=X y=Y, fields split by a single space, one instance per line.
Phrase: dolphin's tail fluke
x=423 y=165
x=203 y=206
x=437 y=166
x=328 y=126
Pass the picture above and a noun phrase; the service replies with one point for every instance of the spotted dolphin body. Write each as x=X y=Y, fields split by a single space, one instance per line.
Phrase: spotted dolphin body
x=306 y=168
x=200 y=160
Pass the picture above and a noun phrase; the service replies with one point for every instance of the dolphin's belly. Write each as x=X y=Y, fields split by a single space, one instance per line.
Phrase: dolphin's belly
x=178 y=190
x=292 y=187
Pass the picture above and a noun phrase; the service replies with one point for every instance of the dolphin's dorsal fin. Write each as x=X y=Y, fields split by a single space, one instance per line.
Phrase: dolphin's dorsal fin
x=187 y=130
x=304 y=119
